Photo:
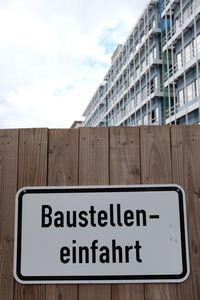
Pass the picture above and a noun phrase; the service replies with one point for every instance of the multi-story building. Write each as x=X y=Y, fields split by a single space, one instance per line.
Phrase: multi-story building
x=181 y=61
x=154 y=77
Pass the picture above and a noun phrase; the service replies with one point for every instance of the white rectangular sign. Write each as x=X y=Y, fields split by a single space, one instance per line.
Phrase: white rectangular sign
x=101 y=234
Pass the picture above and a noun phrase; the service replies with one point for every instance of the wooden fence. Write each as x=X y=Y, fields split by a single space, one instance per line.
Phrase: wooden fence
x=96 y=156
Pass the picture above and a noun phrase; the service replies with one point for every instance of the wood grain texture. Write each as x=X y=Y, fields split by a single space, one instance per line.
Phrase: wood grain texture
x=32 y=171
x=156 y=169
x=125 y=169
x=155 y=154
x=62 y=171
x=94 y=292
x=8 y=188
x=32 y=167
x=94 y=170
x=186 y=172
x=61 y=292
x=124 y=155
x=128 y=291
x=93 y=156
x=63 y=157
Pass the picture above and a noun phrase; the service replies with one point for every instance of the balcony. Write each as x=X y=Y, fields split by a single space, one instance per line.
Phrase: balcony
x=178 y=69
x=99 y=118
x=136 y=103
x=179 y=26
x=119 y=71
x=178 y=111
x=124 y=89
x=166 y=6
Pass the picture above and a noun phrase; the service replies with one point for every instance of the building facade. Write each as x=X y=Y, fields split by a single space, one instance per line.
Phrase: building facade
x=154 y=77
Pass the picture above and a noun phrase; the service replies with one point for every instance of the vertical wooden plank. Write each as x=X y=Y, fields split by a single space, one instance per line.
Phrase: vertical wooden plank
x=62 y=170
x=8 y=188
x=94 y=292
x=94 y=170
x=186 y=172
x=128 y=291
x=156 y=169
x=93 y=156
x=125 y=169
x=61 y=292
x=124 y=155
x=155 y=155
x=32 y=171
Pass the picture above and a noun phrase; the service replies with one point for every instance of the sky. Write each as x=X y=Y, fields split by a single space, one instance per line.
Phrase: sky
x=54 y=54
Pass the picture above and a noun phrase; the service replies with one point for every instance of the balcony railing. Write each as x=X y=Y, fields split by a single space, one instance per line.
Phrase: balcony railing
x=172 y=110
x=179 y=24
x=186 y=61
x=133 y=105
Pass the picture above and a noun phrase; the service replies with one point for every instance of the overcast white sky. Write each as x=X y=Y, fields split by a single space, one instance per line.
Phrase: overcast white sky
x=54 y=54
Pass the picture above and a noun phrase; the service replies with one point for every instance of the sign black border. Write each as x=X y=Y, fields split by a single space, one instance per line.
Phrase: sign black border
x=49 y=279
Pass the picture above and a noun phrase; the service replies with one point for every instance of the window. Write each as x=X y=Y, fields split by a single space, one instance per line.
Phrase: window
x=179 y=60
x=181 y=100
x=136 y=71
x=145 y=119
x=143 y=65
x=137 y=98
x=178 y=22
x=197 y=92
x=152 y=54
x=198 y=43
x=131 y=105
x=193 y=48
x=154 y=115
x=132 y=93
x=188 y=53
x=191 y=91
x=143 y=93
x=135 y=102
x=187 y=11
x=156 y=82
x=150 y=57
x=151 y=86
